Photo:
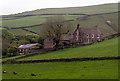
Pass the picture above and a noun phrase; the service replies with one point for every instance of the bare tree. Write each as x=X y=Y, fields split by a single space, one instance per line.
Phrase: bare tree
x=55 y=27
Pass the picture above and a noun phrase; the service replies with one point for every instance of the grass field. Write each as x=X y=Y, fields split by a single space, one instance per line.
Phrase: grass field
x=7 y=58
x=19 y=32
x=107 y=69
x=92 y=22
x=32 y=20
x=103 y=49
x=89 y=22
x=27 y=21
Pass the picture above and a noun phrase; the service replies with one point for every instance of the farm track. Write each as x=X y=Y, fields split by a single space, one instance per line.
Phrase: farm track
x=23 y=27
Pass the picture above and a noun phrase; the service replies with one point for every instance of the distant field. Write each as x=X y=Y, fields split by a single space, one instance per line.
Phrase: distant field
x=107 y=48
x=32 y=20
x=105 y=69
x=89 y=22
x=19 y=32
x=105 y=8
x=27 y=21
x=92 y=21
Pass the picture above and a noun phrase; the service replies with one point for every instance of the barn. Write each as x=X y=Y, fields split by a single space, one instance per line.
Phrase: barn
x=28 y=48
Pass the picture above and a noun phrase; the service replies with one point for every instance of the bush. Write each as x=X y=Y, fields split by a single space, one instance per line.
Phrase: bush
x=12 y=51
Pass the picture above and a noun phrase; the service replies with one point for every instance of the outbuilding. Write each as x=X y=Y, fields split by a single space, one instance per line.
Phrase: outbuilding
x=28 y=48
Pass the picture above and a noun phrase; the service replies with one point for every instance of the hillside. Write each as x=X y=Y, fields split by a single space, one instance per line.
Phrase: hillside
x=103 y=49
x=32 y=21
x=104 y=8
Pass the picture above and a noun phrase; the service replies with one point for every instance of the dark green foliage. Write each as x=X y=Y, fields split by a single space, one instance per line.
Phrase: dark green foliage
x=39 y=40
x=12 y=51
x=7 y=35
x=31 y=38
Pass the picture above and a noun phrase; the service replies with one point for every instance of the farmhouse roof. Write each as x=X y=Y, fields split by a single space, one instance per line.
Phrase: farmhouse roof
x=85 y=30
x=66 y=37
x=90 y=30
x=28 y=45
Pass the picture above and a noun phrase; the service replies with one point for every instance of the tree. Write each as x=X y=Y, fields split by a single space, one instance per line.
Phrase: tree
x=12 y=51
x=39 y=40
x=7 y=35
x=6 y=40
x=54 y=28
x=22 y=42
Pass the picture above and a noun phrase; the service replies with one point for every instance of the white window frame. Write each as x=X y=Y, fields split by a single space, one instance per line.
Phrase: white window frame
x=98 y=35
x=87 y=36
x=92 y=35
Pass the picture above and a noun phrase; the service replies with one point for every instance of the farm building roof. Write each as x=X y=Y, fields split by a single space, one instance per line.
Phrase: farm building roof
x=28 y=45
x=90 y=30
x=66 y=37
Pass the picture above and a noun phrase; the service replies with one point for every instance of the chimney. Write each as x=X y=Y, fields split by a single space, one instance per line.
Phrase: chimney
x=78 y=26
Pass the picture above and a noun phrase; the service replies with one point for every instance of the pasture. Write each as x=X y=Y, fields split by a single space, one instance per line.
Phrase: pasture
x=63 y=70
x=97 y=69
x=36 y=18
x=91 y=21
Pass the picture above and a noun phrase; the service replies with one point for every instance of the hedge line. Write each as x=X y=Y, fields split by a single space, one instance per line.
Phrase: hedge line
x=66 y=59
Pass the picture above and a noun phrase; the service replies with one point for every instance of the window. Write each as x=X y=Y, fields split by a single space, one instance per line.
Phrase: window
x=87 y=36
x=98 y=35
x=92 y=35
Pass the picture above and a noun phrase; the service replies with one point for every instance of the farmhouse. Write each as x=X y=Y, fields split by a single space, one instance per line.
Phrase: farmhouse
x=67 y=38
x=80 y=35
x=49 y=43
x=28 y=48
x=87 y=35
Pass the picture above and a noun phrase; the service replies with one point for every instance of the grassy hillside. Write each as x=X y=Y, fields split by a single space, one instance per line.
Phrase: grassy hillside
x=113 y=7
x=102 y=49
x=106 y=69
x=89 y=22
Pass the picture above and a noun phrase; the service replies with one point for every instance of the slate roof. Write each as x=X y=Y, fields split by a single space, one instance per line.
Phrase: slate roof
x=90 y=30
x=66 y=37
x=28 y=45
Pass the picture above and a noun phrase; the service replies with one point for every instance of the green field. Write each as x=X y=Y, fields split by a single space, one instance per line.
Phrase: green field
x=8 y=58
x=107 y=69
x=19 y=32
x=32 y=20
x=97 y=69
x=89 y=22
x=103 y=49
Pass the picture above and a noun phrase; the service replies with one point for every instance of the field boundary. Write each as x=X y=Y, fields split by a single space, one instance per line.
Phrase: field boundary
x=55 y=14
x=67 y=59
x=23 y=27
x=22 y=16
